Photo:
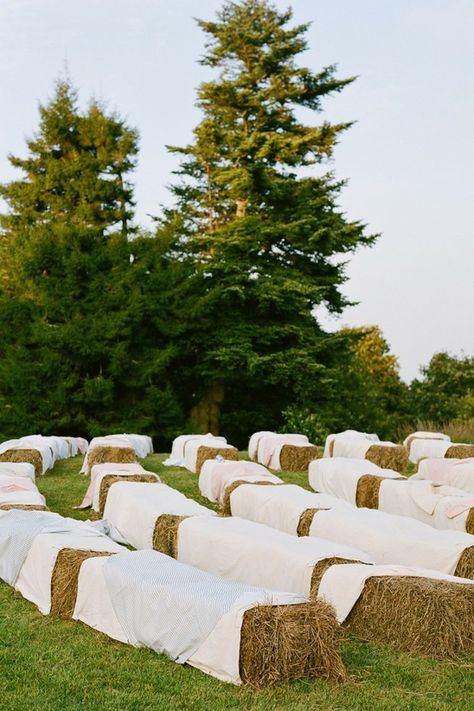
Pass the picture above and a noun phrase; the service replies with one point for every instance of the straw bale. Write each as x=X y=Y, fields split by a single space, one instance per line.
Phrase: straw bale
x=367 y=492
x=416 y=615
x=321 y=567
x=279 y=643
x=23 y=507
x=470 y=522
x=112 y=455
x=32 y=456
x=306 y=519
x=226 y=508
x=65 y=578
x=388 y=457
x=205 y=453
x=165 y=534
x=460 y=451
x=110 y=479
x=465 y=566
x=297 y=459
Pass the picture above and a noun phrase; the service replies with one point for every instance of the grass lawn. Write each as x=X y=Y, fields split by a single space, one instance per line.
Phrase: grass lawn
x=54 y=665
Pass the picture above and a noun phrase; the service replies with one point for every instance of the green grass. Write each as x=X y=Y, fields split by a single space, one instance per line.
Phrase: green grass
x=53 y=665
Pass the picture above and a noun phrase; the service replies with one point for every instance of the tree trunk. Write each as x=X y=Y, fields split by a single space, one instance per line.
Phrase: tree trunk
x=206 y=413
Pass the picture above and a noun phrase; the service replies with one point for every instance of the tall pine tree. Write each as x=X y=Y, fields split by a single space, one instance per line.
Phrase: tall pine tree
x=70 y=308
x=264 y=237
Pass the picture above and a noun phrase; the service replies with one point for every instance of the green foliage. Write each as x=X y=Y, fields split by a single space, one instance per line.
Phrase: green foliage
x=305 y=422
x=445 y=391
x=260 y=238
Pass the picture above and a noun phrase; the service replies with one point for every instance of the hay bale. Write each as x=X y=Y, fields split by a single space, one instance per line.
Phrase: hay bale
x=31 y=456
x=23 y=507
x=112 y=455
x=470 y=522
x=367 y=492
x=465 y=566
x=321 y=567
x=226 y=508
x=205 y=453
x=110 y=479
x=297 y=459
x=388 y=457
x=279 y=643
x=306 y=519
x=460 y=451
x=165 y=534
x=65 y=578
x=331 y=447
x=416 y=615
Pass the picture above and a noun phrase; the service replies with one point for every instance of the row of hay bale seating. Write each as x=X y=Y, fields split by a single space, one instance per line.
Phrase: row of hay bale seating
x=41 y=452
x=282 y=452
x=118 y=449
x=237 y=632
x=191 y=451
x=435 y=445
x=411 y=608
x=360 y=445
x=364 y=484
x=387 y=538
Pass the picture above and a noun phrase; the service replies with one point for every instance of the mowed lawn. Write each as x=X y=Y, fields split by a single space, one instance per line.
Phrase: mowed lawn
x=54 y=665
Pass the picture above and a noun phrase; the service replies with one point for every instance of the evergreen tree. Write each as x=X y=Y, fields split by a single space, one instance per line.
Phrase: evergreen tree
x=70 y=310
x=265 y=240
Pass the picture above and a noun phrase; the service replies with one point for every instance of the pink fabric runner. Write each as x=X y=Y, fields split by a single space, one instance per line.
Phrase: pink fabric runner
x=268 y=445
x=459 y=507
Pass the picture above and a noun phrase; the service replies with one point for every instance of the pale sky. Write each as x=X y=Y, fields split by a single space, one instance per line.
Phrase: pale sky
x=409 y=159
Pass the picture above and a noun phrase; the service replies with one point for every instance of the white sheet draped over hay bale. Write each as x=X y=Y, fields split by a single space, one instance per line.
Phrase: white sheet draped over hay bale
x=132 y=509
x=191 y=451
x=50 y=449
x=266 y=449
x=339 y=476
x=435 y=448
x=422 y=435
x=249 y=552
x=177 y=457
x=218 y=654
x=34 y=581
x=454 y=472
x=438 y=506
x=217 y=475
x=19 y=470
x=360 y=445
x=387 y=538
x=99 y=471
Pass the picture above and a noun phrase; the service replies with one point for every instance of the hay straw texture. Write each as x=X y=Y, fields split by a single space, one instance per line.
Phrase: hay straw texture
x=106 y=454
x=395 y=458
x=204 y=453
x=321 y=567
x=460 y=451
x=367 y=493
x=32 y=456
x=470 y=522
x=279 y=643
x=165 y=534
x=65 y=577
x=110 y=479
x=23 y=507
x=465 y=566
x=226 y=501
x=304 y=524
x=416 y=615
x=297 y=459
